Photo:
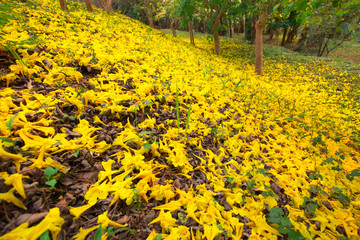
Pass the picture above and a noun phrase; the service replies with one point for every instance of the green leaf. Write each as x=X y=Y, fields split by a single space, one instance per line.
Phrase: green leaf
x=132 y=139
x=354 y=173
x=76 y=153
x=147 y=145
x=282 y=229
x=133 y=231
x=99 y=233
x=158 y=237
x=311 y=207
x=285 y=221
x=50 y=171
x=329 y=160
x=9 y=123
x=293 y=235
x=307 y=135
x=110 y=231
x=66 y=170
x=51 y=183
x=144 y=133
x=6 y=140
x=275 y=215
x=45 y=236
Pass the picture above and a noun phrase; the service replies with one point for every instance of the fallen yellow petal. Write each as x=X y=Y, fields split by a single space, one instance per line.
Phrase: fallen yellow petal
x=10 y=198
x=16 y=181
x=105 y=221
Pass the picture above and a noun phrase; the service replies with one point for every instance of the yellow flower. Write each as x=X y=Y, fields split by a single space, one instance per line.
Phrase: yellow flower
x=104 y=221
x=77 y=211
x=97 y=191
x=6 y=155
x=41 y=163
x=15 y=180
x=97 y=120
x=52 y=222
x=165 y=219
x=211 y=231
x=108 y=172
x=10 y=197
x=81 y=235
x=171 y=206
x=177 y=233
x=159 y=192
x=17 y=233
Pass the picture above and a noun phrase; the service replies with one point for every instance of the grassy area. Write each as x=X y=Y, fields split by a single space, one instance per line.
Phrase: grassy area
x=112 y=130
x=349 y=51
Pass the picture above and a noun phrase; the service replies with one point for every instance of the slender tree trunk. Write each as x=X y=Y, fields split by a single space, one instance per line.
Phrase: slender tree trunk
x=218 y=13
x=248 y=29
x=253 y=29
x=259 y=26
x=191 y=31
x=242 y=25
x=217 y=42
x=291 y=34
x=302 y=40
x=284 y=37
x=88 y=6
x=148 y=11
x=107 y=5
x=271 y=33
x=173 y=28
x=63 y=5
x=230 y=29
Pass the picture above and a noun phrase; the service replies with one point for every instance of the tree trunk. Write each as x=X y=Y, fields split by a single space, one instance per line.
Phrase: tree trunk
x=248 y=29
x=291 y=35
x=107 y=5
x=253 y=28
x=217 y=42
x=242 y=25
x=284 y=37
x=302 y=40
x=63 y=5
x=173 y=28
x=271 y=33
x=88 y=6
x=230 y=29
x=191 y=31
x=148 y=11
x=218 y=13
x=259 y=26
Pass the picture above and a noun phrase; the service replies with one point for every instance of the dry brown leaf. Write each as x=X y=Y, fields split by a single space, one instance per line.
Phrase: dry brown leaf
x=30 y=218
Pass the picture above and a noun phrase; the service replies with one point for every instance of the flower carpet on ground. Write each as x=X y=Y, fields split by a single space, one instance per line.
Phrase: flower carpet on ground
x=113 y=130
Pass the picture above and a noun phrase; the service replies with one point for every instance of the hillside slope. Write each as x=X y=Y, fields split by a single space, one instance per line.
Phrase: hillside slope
x=147 y=135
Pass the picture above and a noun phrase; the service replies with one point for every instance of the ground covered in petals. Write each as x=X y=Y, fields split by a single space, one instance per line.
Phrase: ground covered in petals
x=113 y=130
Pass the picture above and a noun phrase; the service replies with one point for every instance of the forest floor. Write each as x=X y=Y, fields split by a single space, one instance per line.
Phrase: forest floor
x=112 y=130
